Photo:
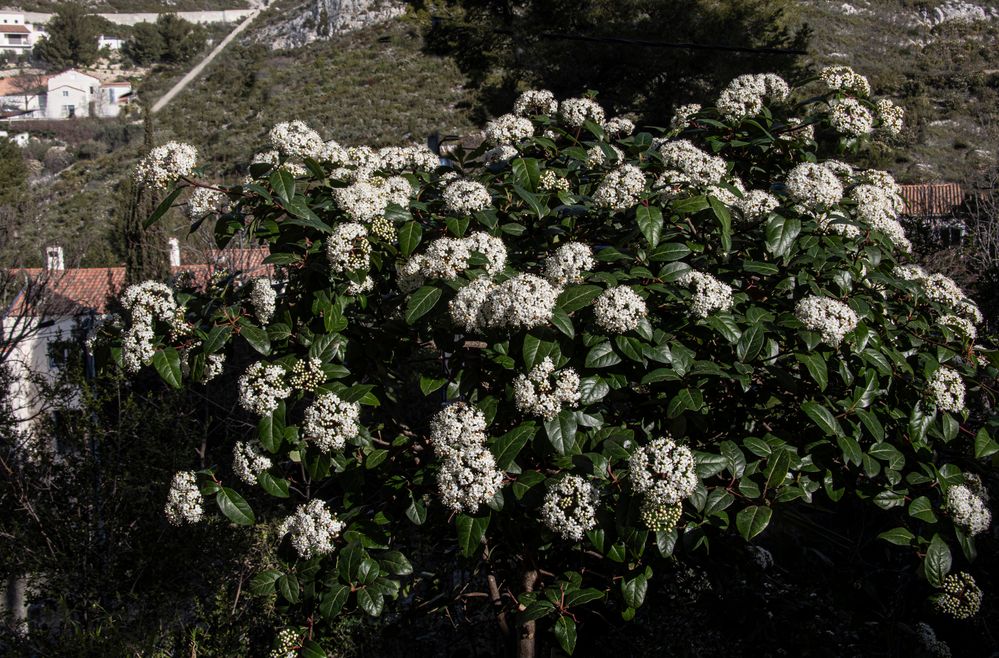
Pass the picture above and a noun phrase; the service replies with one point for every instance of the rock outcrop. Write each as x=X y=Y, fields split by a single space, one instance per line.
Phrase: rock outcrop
x=321 y=19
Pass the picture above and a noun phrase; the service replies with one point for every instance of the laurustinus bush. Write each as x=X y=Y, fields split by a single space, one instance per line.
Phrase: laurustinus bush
x=589 y=350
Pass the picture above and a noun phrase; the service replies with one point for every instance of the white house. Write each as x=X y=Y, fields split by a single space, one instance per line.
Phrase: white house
x=73 y=94
x=23 y=97
x=111 y=43
x=16 y=35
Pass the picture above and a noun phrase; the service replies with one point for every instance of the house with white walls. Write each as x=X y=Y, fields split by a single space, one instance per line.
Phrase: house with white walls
x=109 y=42
x=17 y=36
x=72 y=94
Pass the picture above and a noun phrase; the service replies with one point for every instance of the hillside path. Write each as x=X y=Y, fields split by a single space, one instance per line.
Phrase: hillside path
x=200 y=66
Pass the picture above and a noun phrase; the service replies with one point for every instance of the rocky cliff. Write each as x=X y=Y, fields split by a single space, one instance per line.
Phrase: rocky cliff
x=321 y=19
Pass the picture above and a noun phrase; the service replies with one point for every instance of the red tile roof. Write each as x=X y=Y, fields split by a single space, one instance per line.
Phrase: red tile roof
x=932 y=199
x=14 y=29
x=9 y=86
x=80 y=290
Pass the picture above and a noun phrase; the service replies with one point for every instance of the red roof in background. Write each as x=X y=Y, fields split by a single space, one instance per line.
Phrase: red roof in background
x=15 y=29
x=8 y=86
x=80 y=290
x=932 y=199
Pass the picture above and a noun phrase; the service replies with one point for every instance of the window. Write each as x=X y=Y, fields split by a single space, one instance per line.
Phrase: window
x=69 y=111
x=65 y=93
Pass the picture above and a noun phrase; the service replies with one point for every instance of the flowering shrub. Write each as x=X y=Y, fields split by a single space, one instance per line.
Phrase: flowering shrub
x=595 y=349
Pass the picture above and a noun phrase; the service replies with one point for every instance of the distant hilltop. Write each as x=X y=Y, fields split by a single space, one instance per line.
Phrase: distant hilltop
x=315 y=20
x=133 y=18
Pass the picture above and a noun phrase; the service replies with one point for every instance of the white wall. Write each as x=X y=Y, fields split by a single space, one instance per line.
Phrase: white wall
x=71 y=89
x=31 y=356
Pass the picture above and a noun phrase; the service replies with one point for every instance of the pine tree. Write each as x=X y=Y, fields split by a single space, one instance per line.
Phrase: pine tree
x=145 y=248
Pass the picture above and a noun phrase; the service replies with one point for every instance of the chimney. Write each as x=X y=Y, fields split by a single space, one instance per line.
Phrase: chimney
x=174 y=252
x=53 y=258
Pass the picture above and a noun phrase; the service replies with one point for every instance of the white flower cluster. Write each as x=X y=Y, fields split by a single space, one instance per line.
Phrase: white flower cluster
x=331 y=421
x=540 y=102
x=273 y=158
x=596 y=156
x=446 y=258
x=841 y=169
x=962 y=326
x=574 y=112
x=910 y=272
x=552 y=182
x=879 y=207
x=618 y=127
x=146 y=303
x=400 y=159
x=663 y=472
x=287 y=645
x=523 y=302
x=184 y=504
x=814 y=185
x=968 y=510
x=543 y=391
x=263 y=299
x=621 y=188
x=682 y=116
x=500 y=154
x=891 y=116
x=941 y=288
x=165 y=164
x=248 y=461
x=261 y=386
x=848 y=116
x=509 y=129
x=830 y=317
x=709 y=294
x=568 y=264
x=743 y=97
x=468 y=475
x=214 y=365
x=843 y=78
x=570 y=507
x=464 y=197
x=961 y=597
x=312 y=528
x=945 y=389
x=693 y=165
x=348 y=248
x=619 y=309
x=756 y=205
x=206 y=201
x=295 y=139
x=366 y=200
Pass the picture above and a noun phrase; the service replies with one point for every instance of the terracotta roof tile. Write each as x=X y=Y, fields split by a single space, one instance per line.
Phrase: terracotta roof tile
x=9 y=86
x=14 y=29
x=80 y=290
x=932 y=199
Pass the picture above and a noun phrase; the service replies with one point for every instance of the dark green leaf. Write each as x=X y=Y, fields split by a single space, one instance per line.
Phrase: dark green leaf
x=633 y=590
x=255 y=336
x=371 y=602
x=421 y=302
x=275 y=486
x=650 y=222
x=164 y=206
x=234 y=507
x=507 y=447
x=565 y=631
x=937 y=563
x=288 y=588
x=167 y=364
x=409 y=237
x=334 y=600
x=396 y=563
x=471 y=530
x=897 y=536
x=574 y=298
x=753 y=520
x=561 y=432
x=816 y=366
x=780 y=234
x=823 y=418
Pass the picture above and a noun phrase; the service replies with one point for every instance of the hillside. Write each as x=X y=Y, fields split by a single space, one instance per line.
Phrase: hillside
x=123 y=6
x=938 y=59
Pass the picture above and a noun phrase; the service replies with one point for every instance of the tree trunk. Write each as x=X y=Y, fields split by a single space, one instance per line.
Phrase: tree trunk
x=526 y=639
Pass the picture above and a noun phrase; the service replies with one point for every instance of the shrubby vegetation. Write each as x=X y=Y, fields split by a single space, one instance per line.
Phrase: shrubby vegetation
x=581 y=351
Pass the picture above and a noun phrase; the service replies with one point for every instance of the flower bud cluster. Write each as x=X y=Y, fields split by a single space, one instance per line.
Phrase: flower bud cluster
x=523 y=302
x=165 y=164
x=945 y=389
x=961 y=597
x=468 y=475
x=830 y=317
x=710 y=294
x=312 y=528
x=261 y=387
x=331 y=421
x=552 y=182
x=570 y=507
x=248 y=461
x=184 y=502
x=287 y=642
x=968 y=510
x=307 y=374
x=619 y=310
x=263 y=299
x=543 y=391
